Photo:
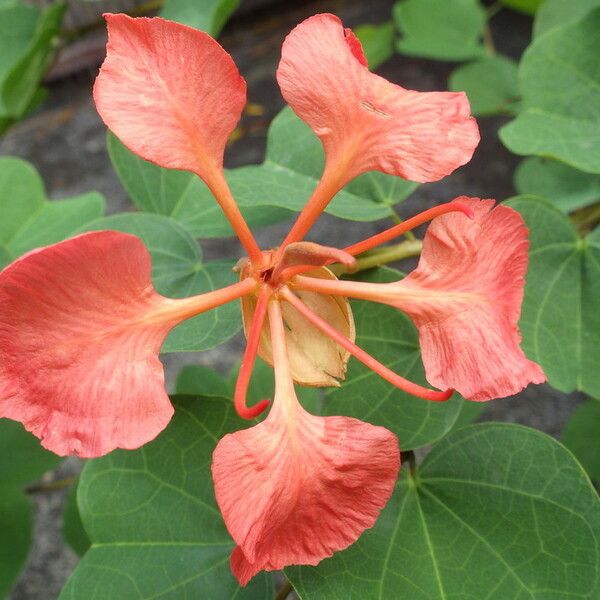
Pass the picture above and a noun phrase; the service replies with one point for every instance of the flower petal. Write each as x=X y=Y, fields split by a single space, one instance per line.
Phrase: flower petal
x=296 y=488
x=465 y=298
x=80 y=331
x=365 y=122
x=169 y=92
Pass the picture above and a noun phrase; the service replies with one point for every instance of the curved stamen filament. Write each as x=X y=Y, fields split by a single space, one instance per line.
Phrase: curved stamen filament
x=247 y=366
x=364 y=357
x=402 y=228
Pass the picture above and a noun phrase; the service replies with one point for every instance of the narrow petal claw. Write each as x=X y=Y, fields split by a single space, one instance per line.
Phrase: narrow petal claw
x=80 y=332
x=365 y=122
x=296 y=488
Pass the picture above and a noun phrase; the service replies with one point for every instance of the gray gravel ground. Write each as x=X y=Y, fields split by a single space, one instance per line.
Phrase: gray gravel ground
x=65 y=140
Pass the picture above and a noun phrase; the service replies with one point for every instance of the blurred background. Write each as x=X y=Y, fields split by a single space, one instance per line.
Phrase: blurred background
x=66 y=141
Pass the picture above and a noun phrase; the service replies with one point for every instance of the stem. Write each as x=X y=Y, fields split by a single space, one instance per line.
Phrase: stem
x=59 y=484
x=284 y=591
x=373 y=364
x=247 y=366
x=397 y=230
x=488 y=41
x=586 y=218
x=383 y=256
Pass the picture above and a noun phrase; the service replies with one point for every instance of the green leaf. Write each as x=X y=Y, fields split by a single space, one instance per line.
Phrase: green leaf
x=152 y=517
x=556 y=13
x=208 y=15
x=202 y=381
x=28 y=220
x=73 y=530
x=26 y=48
x=391 y=338
x=490 y=83
x=180 y=195
x=22 y=461
x=560 y=319
x=560 y=85
x=377 y=42
x=567 y=188
x=16 y=527
x=449 y=30
x=495 y=511
x=581 y=437
x=529 y=7
x=178 y=271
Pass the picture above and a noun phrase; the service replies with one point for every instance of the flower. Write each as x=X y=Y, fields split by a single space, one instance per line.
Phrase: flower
x=81 y=325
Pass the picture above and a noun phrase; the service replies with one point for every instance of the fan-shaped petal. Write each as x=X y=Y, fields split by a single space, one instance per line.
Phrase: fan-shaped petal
x=365 y=122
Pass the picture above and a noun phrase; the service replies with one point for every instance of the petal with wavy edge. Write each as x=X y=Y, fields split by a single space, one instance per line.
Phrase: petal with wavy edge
x=169 y=92
x=465 y=298
x=79 y=343
x=422 y=136
x=296 y=488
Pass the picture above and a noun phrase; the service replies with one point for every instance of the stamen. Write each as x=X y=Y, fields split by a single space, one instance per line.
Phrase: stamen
x=247 y=366
x=401 y=228
x=300 y=257
x=364 y=357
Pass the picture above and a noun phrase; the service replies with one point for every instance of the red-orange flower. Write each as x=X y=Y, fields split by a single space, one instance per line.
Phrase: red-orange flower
x=81 y=325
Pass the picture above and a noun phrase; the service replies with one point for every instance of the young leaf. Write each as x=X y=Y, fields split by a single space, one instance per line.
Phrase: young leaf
x=560 y=86
x=490 y=83
x=495 y=511
x=28 y=220
x=560 y=321
x=209 y=15
x=388 y=335
x=26 y=47
x=567 y=188
x=581 y=437
x=179 y=271
x=152 y=517
x=449 y=30
x=377 y=42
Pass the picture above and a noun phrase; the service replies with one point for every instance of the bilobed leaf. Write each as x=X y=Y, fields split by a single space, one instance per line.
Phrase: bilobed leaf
x=449 y=30
x=490 y=83
x=180 y=195
x=390 y=337
x=529 y=7
x=495 y=511
x=73 y=530
x=377 y=42
x=151 y=515
x=28 y=220
x=567 y=188
x=208 y=15
x=178 y=271
x=26 y=48
x=560 y=320
x=22 y=461
x=556 y=13
x=581 y=437
x=560 y=85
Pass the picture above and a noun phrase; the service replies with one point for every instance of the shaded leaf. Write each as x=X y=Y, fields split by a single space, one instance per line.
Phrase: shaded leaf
x=377 y=42
x=152 y=517
x=178 y=271
x=560 y=320
x=567 y=188
x=449 y=30
x=73 y=530
x=581 y=437
x=391 y=338
x=560 y=85
x=490 y=83
x=208 y=15
x=28 y=220
x=495 y=511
